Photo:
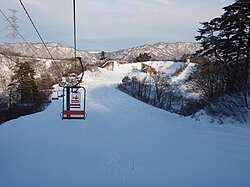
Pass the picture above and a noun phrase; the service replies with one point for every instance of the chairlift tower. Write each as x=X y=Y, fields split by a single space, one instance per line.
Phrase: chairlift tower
x=13 y=27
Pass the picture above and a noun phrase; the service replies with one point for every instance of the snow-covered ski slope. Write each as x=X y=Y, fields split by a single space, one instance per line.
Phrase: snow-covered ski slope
x=122 y=143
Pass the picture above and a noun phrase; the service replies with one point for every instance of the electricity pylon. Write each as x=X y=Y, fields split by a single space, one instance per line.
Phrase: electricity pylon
x=13 y=27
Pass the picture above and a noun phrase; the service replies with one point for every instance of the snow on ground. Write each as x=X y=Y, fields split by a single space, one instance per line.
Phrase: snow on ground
x=123 y=142
x=185 y=74
x=127 y=68
x=169 y=67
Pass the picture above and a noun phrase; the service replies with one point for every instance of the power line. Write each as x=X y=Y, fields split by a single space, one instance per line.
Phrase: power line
x=13 y=26
x=57 y=68
x=102 y=44
x=36 y=28
x=8 y=57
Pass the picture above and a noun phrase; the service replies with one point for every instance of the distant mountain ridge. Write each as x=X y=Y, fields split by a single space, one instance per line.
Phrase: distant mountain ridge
x=38 y=50
x=158 y=51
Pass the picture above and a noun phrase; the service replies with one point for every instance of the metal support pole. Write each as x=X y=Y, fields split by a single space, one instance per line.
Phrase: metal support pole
x=74 y=17
x=68 y=98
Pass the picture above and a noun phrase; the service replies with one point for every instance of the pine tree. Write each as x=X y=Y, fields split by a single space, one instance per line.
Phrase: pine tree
x=143 y=57
x=102 y=55
x=26 y=85
x=235 y=29
x=226 y=42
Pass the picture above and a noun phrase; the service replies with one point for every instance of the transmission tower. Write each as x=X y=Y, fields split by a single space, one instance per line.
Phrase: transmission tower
x=13 y=27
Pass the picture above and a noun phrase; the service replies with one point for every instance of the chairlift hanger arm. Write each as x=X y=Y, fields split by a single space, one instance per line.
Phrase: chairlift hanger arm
x=80 y=80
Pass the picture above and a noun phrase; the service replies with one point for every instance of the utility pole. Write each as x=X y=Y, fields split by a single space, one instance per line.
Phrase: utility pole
x=13 y=27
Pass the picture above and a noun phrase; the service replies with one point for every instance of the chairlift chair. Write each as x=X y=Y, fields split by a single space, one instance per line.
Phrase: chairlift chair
x=55 y=95
x=74 y=95
x=74 y=102
x=60 y=92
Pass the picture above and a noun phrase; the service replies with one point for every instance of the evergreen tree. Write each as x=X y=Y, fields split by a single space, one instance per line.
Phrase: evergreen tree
x=26 y=85
x=102 y=55
x=226 y=42
x=143 y=57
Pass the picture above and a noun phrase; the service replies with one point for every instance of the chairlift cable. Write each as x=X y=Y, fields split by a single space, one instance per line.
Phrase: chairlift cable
x=73 y=103
x=17 y=31
x=36 y=29
x=75 y=46
x=58 y=69
x=74 y=18
x=8 y=57
x=23 y=40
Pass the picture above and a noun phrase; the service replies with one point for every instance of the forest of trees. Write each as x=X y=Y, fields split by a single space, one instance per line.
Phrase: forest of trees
x=27 y=94
x=158 y=90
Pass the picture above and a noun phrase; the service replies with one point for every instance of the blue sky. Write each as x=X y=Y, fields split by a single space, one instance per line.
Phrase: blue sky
x=112 y=24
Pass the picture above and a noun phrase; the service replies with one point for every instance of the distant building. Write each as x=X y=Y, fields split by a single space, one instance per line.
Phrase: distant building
x=120 y=66
x=110 y=65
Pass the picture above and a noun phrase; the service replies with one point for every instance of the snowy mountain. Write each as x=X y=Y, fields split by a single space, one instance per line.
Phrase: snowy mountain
x=57 y=51
x=122 y=143
x=158 y=51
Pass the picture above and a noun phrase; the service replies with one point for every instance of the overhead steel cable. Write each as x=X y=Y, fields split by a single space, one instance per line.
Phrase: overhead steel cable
x=79 y=58
x=36 y=29
x=57 y=67
x=8 y=57
x=18 y=32
x=74 y=18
